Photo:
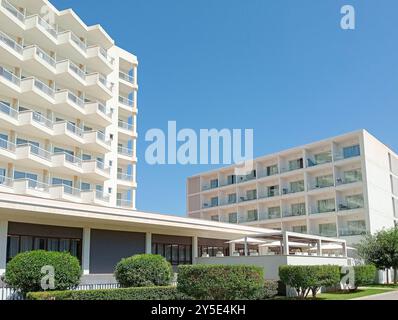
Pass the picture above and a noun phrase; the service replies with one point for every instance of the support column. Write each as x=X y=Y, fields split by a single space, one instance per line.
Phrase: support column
x=3 y=246
x=232 y=249
x=86 y=251
x=246 y=248
x=148 y=243
x=345 y=253
x=286 y=249
x=194 y=248
x=319 y=248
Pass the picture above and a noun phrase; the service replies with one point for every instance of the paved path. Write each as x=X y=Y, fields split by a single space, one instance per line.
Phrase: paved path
x=383 y=296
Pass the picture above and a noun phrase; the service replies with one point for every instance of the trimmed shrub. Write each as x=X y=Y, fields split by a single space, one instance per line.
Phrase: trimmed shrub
x=144 y=270
x=220 y=282
x=23 y=272
x=306 y=279
x=364 y=275
x=269 y=290
x=142 y=293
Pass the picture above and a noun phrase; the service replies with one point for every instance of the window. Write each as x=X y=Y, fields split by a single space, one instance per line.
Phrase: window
x=214 y=183
x=86 y=157
x=213 y=250
x=23 y=141
x=85 y=186
x=19 y=175
x=251 y=194
x=328 y=230
x=176 y=254
x=252 y=215
x=352 y=176
x=297 y=186
x=214 y=202
x=61 y=150
x=231 y=179
x=3 y=141
x=273 y=191
x=61 y=182
x=2 y=174
x=274 y=212
x=298 y=209
x=324 y=157
x=272 y=170
x=214 y=218
x=296 y=164
x=352 y=151
x=355 y=201
x=233 y=217
x=12 y=247
x=232 y=198
x=324 y=181
x=326 y=205
x=299 y=229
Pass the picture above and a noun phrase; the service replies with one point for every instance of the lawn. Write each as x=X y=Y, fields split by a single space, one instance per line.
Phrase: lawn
x=352 y=295
x=384 y=286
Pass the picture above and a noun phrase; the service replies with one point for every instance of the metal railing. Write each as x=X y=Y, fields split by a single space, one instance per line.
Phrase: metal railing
x=125 y=151
x=100 y=195
x=78 y=42
x=126 y=77
x=76 y=70
x=10 y=42
x=76 y=100
x=39 y=118
x=14 y=11
x=101 y=137
x=44 y=88
x=47 y=27
x=44 y=56
x=37 y=151
x=34 y=184
x=104 y=53
x=126 y=101
x=74 y=129
x=293 y=214
x=125 y=177
x=346 y=232
x=124 y=203
x=9 y=111
x=70 y=158
x=71 y=191
x=5 y=181
x=105 y=82
x=125 y=125
x=8 y=75
x=7 y=145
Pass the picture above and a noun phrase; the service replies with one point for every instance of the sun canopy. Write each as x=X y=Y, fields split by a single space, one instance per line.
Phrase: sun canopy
x=291 y=244
x=248 y=241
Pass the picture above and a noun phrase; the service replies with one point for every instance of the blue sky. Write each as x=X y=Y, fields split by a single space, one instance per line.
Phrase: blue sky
x=282 y=67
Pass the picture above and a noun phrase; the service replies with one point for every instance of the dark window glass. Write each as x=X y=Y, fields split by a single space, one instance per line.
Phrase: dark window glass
x=40 y=244
x=26 y=244
x=64 y=245
x=167 y=253
x=53 y=245
x=12 y=247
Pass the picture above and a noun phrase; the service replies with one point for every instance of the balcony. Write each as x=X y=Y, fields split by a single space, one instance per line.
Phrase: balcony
x=343 y=182
x=269 y=216
x=350 y=206
x=126 y=82
x=288 y=191
x=8 y=116
x=65 y=163
x=67 y=133
x=125 y=203
x=99 y=113
x=11 y=19
x=126 y=130
x=289 y=214
x=270 y=194
x=126 y=155
x=95 y=197
x=31 y=187
x=319 y=211
x=248 y=219
x=10 y=50
x=127 y=105
x=10 y=84
x=208 y=205
x=125 y=180
x=95 y=170
x=247 y=199
x=96 y=141
x=349 y=232
x=29 y=155
x=323 y=185
x=7 y=150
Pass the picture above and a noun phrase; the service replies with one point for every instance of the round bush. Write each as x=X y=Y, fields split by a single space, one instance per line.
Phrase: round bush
x=23 y=272
x=364 y=275
x=143 y=270
x=220 y=282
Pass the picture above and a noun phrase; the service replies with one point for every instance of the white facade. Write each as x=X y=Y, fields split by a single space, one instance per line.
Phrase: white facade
x=340 y=187
x=68 y=108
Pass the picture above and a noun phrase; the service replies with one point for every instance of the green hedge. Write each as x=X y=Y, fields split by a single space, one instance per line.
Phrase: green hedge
x=144 y=270
x=220 y=282
x=269 y=290
x=306 y=279
x=364 y=275
x=142 y=293
x=23 y=272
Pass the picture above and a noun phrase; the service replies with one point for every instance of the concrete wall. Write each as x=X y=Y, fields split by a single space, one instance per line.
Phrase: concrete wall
x=271 y=264
x=107 y=248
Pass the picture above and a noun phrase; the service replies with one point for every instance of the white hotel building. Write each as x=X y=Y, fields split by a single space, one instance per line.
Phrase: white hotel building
x=68 y=106
x=343 y=187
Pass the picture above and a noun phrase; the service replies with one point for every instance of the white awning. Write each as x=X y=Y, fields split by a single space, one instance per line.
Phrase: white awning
x=248 y=241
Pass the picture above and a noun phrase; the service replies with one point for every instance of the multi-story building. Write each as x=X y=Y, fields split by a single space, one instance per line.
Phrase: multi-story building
x=344 y=187
x=68 y=107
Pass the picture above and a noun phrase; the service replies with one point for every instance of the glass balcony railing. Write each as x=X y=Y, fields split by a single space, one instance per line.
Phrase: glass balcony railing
x=71 y=191
x=126 y=101
x=8 y=75
x=125 y=151
x=327 y=233
x=44 y=88
x=37 y=151
x=321 y=185
x=347 y=232
x=350 y=206
x=288 y=214
x=48 y=28
x=76 y=100
x=126 y=77
x=74 y=129
x=46 y=57
x=9 y=111
x=124 y=203
x=125 y=125
x=286 y=191
x=77 y=71
x=72 y=159
x=11 y=43
x=36 y=185
x=105 y=54
x=100 y=195
x=81 y=44
x=7 y=145
x=125 y=177
x=101 y=137
x=343 y=181
x=323 y=210
x=268 y=216
x=5 y=181
x=39 y=118
x=14 y=11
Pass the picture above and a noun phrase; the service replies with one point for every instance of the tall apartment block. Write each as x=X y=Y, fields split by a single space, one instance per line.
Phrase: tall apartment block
x=68 y=108
x=340 y=187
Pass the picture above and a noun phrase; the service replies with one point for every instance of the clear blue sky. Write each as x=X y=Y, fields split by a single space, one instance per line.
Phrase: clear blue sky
x=281 y=67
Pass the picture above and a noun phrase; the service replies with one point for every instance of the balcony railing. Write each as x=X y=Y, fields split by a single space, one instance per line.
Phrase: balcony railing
x=14 y=11
x=76 y=100
x=39 y=118
x=207 y=205
x=125 y=177
x=102 y=138
x=126 y=101
x=321 y=185
x=74 y=129
x=347 y=206
x=76 y=70
x=47 y=27
x=246 y=199
x=9 y=111
x=267 y=216
x=44 y=56
x=125 y=125
x=347 y=232
x=286 y=191
x=126 y=77
x=78 y=42
x=340 y=182
x=321 y=211
x=124 y=203
x=72 y=159
x=105 y=82
x=125 y=151
x=293 y=214
x=8 y=75
x=269 y=194
x=44 y=88
x=71 y=191
x=100 y=195
x=10 y=43
x=104 y=53
x=35 y=185
x=5 y=181
x=7 y=145
x=37 y=151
